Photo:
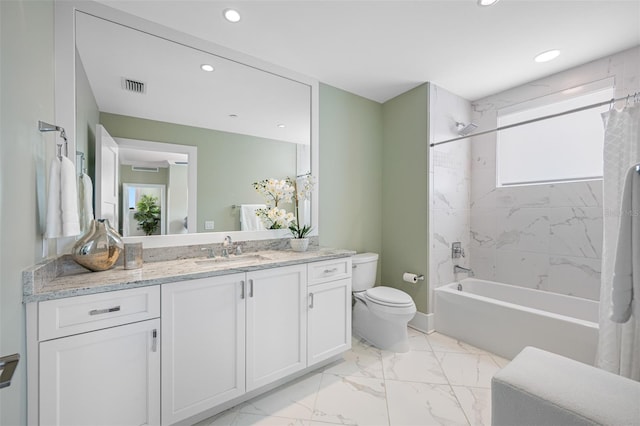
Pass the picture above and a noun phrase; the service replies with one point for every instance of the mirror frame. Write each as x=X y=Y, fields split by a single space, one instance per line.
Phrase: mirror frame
x=65 y=106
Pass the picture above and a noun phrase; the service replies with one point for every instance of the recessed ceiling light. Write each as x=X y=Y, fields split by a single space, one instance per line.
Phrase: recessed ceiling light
x=231 y=15
x=487 y=2
x=547 y=56
x=281 y=126
x=233 y=115
x=206 y=67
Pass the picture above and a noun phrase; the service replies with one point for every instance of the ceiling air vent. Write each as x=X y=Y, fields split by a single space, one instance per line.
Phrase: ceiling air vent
x=133 y=85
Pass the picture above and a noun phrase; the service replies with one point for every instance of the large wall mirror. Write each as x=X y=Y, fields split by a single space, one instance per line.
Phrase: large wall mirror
x=144 y=84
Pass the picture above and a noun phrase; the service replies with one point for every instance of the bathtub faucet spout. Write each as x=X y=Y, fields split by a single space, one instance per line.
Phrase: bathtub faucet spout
x=457 y=268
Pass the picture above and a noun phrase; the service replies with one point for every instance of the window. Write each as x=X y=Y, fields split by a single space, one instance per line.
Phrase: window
x=559 y=149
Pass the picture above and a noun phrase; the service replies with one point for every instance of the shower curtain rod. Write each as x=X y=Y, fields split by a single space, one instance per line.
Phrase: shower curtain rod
x=533 y=120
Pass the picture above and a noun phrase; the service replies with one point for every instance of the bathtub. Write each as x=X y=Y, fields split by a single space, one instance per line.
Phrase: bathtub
x=503 y=319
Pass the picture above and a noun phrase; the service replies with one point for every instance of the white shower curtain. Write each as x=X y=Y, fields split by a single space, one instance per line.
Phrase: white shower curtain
x=619 y=344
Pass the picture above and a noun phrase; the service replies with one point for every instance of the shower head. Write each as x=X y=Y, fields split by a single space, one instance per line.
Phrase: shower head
x=465 y=129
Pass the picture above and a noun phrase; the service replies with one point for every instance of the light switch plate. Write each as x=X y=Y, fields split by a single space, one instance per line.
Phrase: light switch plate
x=208 y=225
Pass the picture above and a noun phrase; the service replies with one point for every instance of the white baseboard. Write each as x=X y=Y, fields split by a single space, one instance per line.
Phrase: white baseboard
x=423 y=322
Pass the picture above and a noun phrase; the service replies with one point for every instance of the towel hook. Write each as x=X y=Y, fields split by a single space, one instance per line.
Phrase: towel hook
x=63 y=135
x=46 y=127
x=82 y=158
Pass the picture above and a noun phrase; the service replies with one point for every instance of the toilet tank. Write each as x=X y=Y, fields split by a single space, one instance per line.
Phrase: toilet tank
x=365 y=267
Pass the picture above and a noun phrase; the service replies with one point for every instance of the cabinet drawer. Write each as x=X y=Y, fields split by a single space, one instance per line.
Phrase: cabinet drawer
x=328 y=270
x=73 y=315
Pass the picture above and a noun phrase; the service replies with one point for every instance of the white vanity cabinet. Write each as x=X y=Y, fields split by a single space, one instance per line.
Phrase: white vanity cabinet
x=99 y=359
x=206 y=324
x=329 y=309
x=96 y=359
x=203 y=345
x=276 y=324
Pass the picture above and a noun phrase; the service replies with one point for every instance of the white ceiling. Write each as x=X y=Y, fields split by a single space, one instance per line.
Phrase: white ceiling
x=379 y=49
x=234 y=98
x=137 y=157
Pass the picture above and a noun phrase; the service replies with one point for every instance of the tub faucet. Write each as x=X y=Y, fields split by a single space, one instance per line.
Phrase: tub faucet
x=457 y=268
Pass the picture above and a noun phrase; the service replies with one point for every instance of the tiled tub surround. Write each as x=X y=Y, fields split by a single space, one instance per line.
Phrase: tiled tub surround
x=546 y=236
x=62 y=277
x=449 y=186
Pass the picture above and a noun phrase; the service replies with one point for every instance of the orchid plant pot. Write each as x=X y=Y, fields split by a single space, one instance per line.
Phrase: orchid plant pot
x=299 y=244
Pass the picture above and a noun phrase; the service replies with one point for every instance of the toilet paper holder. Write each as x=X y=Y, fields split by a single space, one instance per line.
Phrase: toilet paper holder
x=412 y=278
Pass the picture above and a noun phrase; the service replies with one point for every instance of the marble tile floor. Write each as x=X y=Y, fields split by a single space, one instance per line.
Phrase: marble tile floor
x=440 y=381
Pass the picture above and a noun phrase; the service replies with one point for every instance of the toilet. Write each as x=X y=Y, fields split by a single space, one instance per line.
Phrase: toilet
x=380 y=314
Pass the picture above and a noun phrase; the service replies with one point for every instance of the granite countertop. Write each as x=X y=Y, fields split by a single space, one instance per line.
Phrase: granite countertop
x=39 y=286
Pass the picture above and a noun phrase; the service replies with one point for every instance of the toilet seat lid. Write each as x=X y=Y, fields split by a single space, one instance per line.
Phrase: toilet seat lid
x=389 y=296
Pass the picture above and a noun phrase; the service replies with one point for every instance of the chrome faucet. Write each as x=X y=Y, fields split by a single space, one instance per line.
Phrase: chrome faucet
x=458 y=268
x=225 y=246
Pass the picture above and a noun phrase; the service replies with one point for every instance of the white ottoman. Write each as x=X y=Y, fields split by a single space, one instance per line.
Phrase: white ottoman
x=542 y=388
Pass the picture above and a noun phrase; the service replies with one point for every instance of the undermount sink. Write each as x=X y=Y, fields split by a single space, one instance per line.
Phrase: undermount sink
x=242 y=258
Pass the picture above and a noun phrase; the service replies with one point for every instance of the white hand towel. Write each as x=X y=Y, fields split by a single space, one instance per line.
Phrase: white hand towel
x=62 y=203
x=627 y=259
x=54 y=219
x=248 y=219
x=69 y=199
x=86 y=201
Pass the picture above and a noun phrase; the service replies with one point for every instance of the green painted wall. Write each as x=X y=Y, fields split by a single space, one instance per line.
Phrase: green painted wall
x=405 y=207
x=26 y=96
x=350 y=171
x=228 y=163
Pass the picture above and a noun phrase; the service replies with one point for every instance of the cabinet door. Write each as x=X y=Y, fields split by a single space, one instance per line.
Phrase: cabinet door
x=329 y=320
x=276 y=324
x=106 y=377
x=203 y=323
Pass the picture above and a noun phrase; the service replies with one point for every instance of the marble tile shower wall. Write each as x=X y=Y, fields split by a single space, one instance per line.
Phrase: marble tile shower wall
x=547 y=237
x=541 y=236
x=449 y=185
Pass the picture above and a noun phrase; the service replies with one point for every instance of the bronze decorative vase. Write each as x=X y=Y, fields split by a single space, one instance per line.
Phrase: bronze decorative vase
x=99 y=248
